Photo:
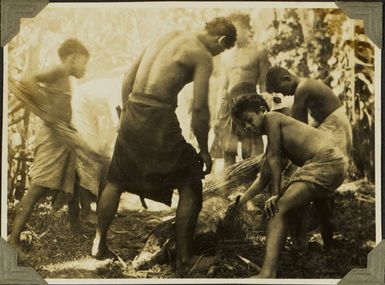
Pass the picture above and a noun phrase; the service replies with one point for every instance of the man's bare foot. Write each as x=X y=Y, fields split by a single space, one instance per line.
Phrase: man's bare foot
x=196 y=264
x=263 y=275
x=100 y=249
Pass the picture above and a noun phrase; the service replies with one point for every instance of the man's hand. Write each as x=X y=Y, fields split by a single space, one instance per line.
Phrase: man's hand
x=234 y=205
x=271 y=206
x=205 y=158
x=216 y=129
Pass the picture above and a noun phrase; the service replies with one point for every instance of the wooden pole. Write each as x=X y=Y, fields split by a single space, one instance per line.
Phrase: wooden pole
x=19 y=192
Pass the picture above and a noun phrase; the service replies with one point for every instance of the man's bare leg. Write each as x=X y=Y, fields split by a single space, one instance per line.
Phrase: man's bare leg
x=229 y=158
x=302 y=225
x=23 y=214
x=74 y=210
x=297 y=195
x=107 y=207
x=325 y=210
x=85 y=202
x=189 y=206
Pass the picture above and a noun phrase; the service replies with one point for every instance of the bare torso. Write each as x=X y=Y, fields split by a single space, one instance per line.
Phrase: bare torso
x=58 y=92
x=321 y=100
x=299 y=141
x=55 y=78
x=243 y=65
x=167 y=65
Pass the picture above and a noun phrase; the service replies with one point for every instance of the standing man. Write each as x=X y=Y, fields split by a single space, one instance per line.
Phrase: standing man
x=151 y=157
x=54 y=165
x=244 y=69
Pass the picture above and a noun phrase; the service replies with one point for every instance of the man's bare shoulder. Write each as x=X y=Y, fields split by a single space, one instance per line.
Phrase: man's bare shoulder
x=192 y=50
x=273 y=118
x=308 y=86
x=51 y=74
x=258 y=50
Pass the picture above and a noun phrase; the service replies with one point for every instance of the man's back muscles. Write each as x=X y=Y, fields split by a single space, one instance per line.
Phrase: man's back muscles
x=168 y=64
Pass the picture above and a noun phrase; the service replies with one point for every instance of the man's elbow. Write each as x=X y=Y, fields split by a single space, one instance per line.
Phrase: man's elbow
x=200 y=118
x=265 y=174
x=273 y=158
x=201 y=112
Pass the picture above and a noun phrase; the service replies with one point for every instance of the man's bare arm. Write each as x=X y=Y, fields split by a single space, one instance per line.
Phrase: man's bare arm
x=263 y=66
x=259 y=184
x=274 y=151
x=45 y=77
x=200 y=109
x=299 y=110
x=48 y=77
x=129 y=78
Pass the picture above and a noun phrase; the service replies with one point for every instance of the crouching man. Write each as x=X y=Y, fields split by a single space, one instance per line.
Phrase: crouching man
x=322 y=169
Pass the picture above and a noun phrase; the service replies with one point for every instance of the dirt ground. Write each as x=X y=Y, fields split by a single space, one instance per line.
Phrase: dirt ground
x=56 y=253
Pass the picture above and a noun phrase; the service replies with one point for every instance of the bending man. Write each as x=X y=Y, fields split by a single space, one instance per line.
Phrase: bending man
x=151 y=157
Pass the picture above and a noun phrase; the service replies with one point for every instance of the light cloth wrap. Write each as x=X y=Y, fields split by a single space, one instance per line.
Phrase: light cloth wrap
x=92 y=118
x=338 y=125
x=325 y=171
x=57 y=143
x=54 y=164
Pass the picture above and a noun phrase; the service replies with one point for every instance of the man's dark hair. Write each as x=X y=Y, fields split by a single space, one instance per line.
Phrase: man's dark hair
x=222 y=26
x=242 y=19
x=72 y=46
x=249 y=102
x=274 y=76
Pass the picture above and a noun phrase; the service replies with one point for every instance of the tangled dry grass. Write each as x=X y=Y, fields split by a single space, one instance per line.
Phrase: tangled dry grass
x=56 y=253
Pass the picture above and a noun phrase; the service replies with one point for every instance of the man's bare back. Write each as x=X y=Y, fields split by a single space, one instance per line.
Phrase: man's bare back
x=151 y=157
x=310 y=95
x=299 y=141
x=319 y=99
x=169 y=64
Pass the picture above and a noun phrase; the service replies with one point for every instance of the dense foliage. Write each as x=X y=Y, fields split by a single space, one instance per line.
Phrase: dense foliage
x=318 y=43
x=323 y=44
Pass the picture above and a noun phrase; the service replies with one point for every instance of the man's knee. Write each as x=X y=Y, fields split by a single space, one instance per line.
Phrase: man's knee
x=193 y=191
x=229 y=154
x=229 y=157
x=109 y=196
x=111 y=187
x=285 y=210
x=36 y=192
x=198 y=190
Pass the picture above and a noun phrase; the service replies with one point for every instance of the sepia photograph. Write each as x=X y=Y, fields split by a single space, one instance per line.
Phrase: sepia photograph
x=212 y=141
